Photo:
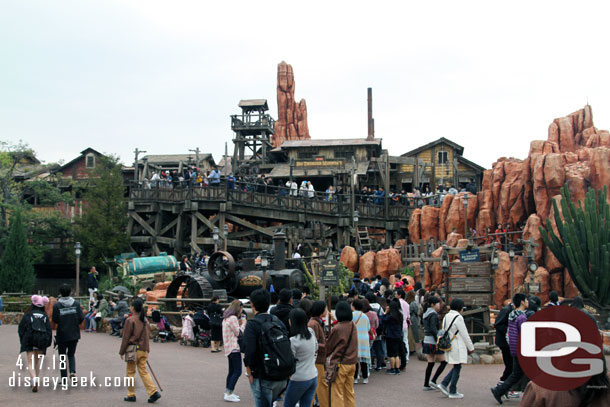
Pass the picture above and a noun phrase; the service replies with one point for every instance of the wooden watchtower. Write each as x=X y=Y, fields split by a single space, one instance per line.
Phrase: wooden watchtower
x=253 y=130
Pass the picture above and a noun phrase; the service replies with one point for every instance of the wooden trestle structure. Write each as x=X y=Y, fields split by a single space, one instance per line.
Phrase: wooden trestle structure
x=181 y=221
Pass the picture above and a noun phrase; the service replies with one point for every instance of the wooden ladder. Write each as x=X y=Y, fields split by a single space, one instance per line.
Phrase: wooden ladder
x=364 y=241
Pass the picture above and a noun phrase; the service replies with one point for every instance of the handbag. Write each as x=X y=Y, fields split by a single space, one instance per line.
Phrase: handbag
x=131 y=351
x=442 y=339
x=332 y=375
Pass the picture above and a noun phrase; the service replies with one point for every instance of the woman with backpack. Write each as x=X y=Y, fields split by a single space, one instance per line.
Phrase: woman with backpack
x=136 y=333
x=303 y=382
x=214 y=311
x=430 y=318
x=461 y=347
x=342 y=356
x=233 y=326
x=35 y=336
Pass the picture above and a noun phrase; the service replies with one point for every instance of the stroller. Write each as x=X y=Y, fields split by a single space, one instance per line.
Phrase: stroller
x=201 y=329
x=165 y=330
x=188 y=334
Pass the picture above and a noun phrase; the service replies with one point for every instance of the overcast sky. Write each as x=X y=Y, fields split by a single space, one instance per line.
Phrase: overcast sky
x=164 y=76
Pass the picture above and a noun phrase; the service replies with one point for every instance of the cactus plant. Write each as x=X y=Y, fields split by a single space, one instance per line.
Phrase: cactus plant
x=583 y=244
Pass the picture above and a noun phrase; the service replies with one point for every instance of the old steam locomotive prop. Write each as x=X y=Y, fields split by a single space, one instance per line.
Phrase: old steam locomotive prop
x=233 y=279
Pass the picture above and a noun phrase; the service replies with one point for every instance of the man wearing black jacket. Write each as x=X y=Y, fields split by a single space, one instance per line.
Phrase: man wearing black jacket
x=264 y=391
x=68 y=315
x=501 y=326
x=282 y=310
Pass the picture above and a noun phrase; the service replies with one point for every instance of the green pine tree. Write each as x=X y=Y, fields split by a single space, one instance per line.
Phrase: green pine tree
x=103 y=228
x=16 y=269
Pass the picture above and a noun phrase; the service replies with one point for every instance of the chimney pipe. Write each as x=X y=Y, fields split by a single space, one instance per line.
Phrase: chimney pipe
x=371 y=123
x=279 y=248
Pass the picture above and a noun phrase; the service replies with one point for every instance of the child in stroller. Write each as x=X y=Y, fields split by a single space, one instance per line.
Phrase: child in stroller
x=201 y=329
x=165 y=330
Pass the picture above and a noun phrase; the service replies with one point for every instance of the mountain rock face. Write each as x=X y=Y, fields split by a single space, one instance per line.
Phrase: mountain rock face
x=292 y=116
x=521 y=192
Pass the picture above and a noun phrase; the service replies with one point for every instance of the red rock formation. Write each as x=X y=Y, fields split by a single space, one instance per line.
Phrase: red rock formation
x=453 y=239
x=429 y=222
x=349 y=258
x=387 y=262
x=435 y=271
x=414 y=226
x=292 y=117
x=501 y=280
x=366 y=265
x=600 y=168
x=442 y=229
x=532 y=231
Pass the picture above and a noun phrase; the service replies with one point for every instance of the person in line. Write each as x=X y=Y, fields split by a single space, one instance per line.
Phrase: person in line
x=319 y=312
x=376 y=345
x=137 y=332
x=282 y=310
x=363 y=325
x=342 y=355
x=35 y=336
x=264 y=391
x=92 y=282
x=302 y=385
x=461 y=347
x=94 y=303
x=515 y=319
x=414 y=314
x=553 y=299
x=406 y=313
x=233 y=326
x=579 y=304
x=215 y=313
x=392 y=323
x=501 y=326
x=593 y=393
x=297 y=296
x=122 y=311
x=431 y=323
x=68 y=315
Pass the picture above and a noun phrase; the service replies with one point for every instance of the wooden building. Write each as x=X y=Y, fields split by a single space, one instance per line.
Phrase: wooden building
x=174 y=162
x=444 y=165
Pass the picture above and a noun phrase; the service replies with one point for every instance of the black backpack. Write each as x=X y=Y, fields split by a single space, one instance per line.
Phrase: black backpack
x=278 y=362
x=40 y=336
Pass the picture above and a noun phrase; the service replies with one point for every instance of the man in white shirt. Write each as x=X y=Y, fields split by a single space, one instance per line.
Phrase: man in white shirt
x=310 y=191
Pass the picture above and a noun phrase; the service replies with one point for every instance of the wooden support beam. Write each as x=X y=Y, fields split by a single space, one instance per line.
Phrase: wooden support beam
x=178 y=238
x=168 y=227
x=234 y=243
x=193 y=244
x=249 y=225
x=210 y=224
x=158 y=218
x=142 y=222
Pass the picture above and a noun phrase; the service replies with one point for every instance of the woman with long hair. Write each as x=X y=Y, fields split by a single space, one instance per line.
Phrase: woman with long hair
x=136 y=331
x=342 y=355
x=319 y=312
x=94 y=303
x=35 y=336
x=233 y=326
x=392 y=323
x=363 y=325
x=215 y=313
x=431 y=324
x=303 y=382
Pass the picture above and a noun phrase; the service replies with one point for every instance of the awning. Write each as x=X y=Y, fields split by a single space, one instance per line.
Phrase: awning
x=283 y=171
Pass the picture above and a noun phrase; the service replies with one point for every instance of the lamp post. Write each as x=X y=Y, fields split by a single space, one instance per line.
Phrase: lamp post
x=466 y=215
x=355 y=226
x=77 y=252
x=215 y=237
x=511 y=255
x=264 y=265
x=226 y=234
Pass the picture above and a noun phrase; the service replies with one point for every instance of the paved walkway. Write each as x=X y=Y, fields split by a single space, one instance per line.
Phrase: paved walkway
x=195 y=377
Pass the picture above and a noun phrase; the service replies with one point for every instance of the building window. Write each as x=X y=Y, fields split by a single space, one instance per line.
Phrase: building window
x=90 y=161
x=442 y=157
x=306 y=155
x=344 y=154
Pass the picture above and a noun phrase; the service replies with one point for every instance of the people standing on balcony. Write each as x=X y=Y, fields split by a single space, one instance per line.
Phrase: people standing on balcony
x=379 y=196
x=417 y=198
x=330 y=192
x=214 y=177
x=311 y=192
x=231 y=182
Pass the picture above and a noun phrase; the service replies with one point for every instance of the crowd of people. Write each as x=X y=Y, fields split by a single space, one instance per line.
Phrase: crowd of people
x=309 y=352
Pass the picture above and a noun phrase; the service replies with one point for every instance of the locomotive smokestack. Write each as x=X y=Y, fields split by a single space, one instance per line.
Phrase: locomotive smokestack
x=371 y=122
x=279 y=247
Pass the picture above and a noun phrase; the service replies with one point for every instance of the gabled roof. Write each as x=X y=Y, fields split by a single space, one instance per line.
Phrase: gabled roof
x=457 y=147
x=254 y=104
x=82 y=154
x=470 y=163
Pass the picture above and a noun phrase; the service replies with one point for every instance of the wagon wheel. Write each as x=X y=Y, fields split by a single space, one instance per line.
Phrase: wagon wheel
x=193 y=286
x=221 y=266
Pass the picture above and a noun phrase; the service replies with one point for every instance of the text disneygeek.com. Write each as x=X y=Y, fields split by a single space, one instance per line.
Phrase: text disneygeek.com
x=64 y=383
